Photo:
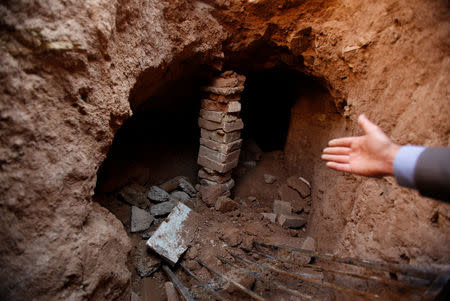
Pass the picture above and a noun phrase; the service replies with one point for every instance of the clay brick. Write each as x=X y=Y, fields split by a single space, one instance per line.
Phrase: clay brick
x=225 y=82
x=227 y=186
x=291 y=221
x=225 y=126
x=225 y=204
x=220 y=136
x=218 y=116
x=223 y=99
x=230 y=107
x=217 y=156
x=210 y=193
x=215 y=176
x=281 y=207
x=224 y=148
x=217 y=166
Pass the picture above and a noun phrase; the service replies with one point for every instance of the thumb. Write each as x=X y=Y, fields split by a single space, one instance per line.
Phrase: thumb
x=366 y=124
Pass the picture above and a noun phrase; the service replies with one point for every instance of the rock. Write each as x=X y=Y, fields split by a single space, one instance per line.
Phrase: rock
x=171 y=184
x=140 y=219
x=224 y=148
x=147 y=235
x=308 y=244
x=174 y=235
x=225 y=204
x=187 y=187
x=162 y=209
x=291 y=221
x=299 y=184
x=250 y=164
x=146 y=263
x=134 y=195
x=232 y=236
x=171 y=292
x=270 y=216
x=180 y=196
x=281 y=207
x=210 y=192
x=251 y=198
x=157 y=194
x=269 y=179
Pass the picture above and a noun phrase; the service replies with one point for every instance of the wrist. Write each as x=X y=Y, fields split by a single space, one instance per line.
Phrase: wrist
x=391 y=154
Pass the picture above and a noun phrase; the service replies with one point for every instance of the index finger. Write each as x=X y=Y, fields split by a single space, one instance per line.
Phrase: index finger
x=345 y=141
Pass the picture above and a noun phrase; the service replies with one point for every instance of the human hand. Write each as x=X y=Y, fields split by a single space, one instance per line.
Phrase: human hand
x=370 y=155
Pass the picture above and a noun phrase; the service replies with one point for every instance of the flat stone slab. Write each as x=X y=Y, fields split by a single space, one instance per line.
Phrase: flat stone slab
x=140 y=219
x=173 y=236
x=291 y=221
x=180 y=196
x=163 y=209
x=157 y=194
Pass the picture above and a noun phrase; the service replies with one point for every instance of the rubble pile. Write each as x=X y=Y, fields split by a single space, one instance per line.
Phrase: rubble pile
x=220 y=141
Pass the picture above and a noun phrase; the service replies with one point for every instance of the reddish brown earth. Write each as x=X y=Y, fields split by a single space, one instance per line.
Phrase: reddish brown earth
x=71 y=73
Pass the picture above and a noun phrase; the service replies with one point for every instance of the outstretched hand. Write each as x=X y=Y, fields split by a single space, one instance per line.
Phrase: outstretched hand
x=370 y=155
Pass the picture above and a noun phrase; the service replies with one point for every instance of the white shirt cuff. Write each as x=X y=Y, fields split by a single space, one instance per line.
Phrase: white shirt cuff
x=405 y=163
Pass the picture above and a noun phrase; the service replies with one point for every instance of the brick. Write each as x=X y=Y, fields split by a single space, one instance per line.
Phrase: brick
x=223 y=99
x=215 y=176
x=217 y=166
x=223 y=187
x=210 y=193
x=218 y=156
x=299 y=184
x=232 y=126
x=220 y=136
x=230 y=107
x=224 y=148
x=218 y=116
x=225 y=82
x=225 y=204
x=281 y=207
x=224 y=90
x=225 y=126
x=291 y=221
x=270 y=216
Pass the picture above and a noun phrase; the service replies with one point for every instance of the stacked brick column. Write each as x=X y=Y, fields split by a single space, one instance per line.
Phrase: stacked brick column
x=220 y=142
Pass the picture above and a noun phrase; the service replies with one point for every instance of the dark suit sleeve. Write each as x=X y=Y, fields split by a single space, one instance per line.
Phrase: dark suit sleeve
x=432 y=173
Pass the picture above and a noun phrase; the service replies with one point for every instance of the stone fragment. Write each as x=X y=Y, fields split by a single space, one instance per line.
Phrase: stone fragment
x=225 y=126
x=251 y=198
x=180 y=196
x=270 y=216
x=225 y=204
x=146 y=263
x=223 y=99
x=224 y=186
x=232 y=236
x=157 y=194
x=224 y=90
x=223 y=148
x=220 y=136
x=217 y=166
x=217 y=116
x=171 y=184
x=134 y=195
x=171 y=292
x=214 y=176
x=269 y=179
x=162 y=209
x=210 y=193
x=229 y=107
x=147 y=235
x=218 y=156
x=187 y=187
x=140 y=219
x=300 y=185
x=174 y=235
x=291 y=221
x=281 y=207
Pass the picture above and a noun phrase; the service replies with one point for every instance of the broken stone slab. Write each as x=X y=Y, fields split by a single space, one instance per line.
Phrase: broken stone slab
x=218 y=116
x=173 y=236
x=157 y=194
x=140 y=219
x=214 y=176
x=180 y=196
x=231 y=126
x=145 y=262
x=134 y=195
x=218 y=156
x=291 y=221
x=220 y=136
x=163 y=208
x=281 y=207
x=224 y=91
x=229 y=107
x=217 y=166
x=187 y=187
x=269 y=179
x=225 y=204
x=299 y=184
x=223 y=148
x=270 y=216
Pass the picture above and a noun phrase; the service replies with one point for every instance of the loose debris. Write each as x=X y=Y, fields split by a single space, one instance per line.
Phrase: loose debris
x=140 y=219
